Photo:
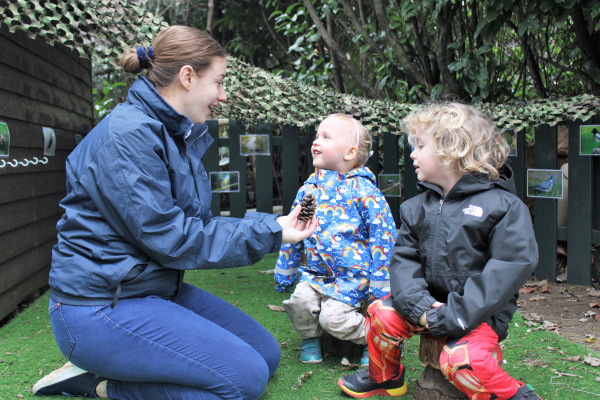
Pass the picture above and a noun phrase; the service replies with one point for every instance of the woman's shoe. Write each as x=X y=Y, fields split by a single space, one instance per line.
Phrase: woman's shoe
x=68 y=380
x=311 y=351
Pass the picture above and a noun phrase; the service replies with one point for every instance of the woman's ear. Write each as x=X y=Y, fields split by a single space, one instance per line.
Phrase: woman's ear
x=185 y=76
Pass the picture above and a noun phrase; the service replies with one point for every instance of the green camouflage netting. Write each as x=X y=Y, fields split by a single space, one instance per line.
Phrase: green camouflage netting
x=102 y=29
x=255 y=95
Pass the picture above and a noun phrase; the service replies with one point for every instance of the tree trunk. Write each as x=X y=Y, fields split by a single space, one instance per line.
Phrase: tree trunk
x=336 y=70
x=210 y=13
x=431 y=384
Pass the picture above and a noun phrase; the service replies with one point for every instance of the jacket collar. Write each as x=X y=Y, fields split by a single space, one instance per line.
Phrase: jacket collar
x=142 y=94
x=472 y=183
x=331 y=178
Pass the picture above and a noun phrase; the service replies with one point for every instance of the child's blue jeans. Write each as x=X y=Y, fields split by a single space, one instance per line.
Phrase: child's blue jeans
x=195 y=346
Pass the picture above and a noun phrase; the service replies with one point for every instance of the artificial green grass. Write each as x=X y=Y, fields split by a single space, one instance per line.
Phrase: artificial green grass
x=537 y=357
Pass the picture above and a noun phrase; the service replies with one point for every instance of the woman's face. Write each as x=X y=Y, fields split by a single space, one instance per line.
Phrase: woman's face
x=206 y=89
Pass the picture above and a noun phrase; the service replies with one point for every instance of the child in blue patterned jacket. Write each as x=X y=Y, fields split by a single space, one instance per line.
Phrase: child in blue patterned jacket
x=348 y=255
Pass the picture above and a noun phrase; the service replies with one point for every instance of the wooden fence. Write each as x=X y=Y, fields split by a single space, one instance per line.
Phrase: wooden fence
x=40 y=86
x=582 y=235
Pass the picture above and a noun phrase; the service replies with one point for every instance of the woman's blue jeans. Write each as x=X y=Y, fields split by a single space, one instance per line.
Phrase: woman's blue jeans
x=195 y=346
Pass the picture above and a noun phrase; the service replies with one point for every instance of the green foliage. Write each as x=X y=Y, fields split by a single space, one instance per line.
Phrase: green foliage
x=385 y=54
x=105 y=100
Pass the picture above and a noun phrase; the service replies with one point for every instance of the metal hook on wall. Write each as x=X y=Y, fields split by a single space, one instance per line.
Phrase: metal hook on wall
x=14 y=163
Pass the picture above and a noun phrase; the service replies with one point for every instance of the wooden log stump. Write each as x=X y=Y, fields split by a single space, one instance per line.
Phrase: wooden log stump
x=431 y=384
x=341 y=348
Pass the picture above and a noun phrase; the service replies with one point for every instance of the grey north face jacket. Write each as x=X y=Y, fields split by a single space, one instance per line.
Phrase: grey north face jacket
x=472 y=250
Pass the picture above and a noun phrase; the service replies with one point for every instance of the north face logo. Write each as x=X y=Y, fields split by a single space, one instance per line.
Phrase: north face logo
x=473 y=210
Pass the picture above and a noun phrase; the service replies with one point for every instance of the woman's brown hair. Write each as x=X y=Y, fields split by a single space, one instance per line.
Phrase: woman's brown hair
x=173 y=48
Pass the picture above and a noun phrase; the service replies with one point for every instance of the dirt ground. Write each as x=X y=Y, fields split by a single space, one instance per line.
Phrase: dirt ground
x=571 y=311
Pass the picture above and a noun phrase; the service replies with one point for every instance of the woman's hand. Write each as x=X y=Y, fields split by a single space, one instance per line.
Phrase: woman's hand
x=295 y=230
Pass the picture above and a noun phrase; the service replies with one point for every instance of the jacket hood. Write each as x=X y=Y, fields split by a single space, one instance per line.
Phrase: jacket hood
x=472 y=183
x=322 y=176
x=142 y=94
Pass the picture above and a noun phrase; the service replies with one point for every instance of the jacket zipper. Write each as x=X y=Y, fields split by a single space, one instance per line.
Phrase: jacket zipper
x=435 y=235
x=189 y=160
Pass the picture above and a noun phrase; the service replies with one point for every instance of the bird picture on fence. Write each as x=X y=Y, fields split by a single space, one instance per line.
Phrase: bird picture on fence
x=225 y=181
x=390 y=185
x=49 y=141
x=254 y=145
x=4 y=139
x=544 y=183
x=589 y=140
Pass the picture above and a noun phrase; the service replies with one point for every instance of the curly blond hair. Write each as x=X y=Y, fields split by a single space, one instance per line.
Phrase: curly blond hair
x=463 y=137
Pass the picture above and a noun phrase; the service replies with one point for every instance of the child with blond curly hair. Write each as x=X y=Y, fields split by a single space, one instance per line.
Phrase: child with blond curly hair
x=464 y=248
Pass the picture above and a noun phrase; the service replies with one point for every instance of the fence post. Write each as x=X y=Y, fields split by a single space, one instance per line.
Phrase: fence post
x=390 y=166
x=410 y=177
x=210 y=160
x=579 y=235
x=595 y=268
x=373 y=161
x=290 y=166
x=263 y=178
x=517 y=163
x=546 y=222
x=237 y=200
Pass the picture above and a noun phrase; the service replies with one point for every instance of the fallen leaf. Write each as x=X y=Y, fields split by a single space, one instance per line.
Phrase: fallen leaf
x=590 y=340
x=590 y=313
x=526 y=290
x=537 y=298
x=536 y=284
x=276 y=308
x=593 y=361
x=549 y=326
x=268 y=272
x=345 y=362
x=574 y=358
x=545 y=289
x=594 y=305
x=593 y=292
x=303 y=378
x=533 y=317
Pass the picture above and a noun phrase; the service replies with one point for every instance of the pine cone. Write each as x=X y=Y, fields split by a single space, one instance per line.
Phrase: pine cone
x=309 y=205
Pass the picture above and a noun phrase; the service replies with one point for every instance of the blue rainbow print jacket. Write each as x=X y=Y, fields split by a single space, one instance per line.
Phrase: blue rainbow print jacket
x=348 y=255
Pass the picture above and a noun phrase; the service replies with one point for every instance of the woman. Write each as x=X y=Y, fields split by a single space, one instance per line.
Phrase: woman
x=136 y=217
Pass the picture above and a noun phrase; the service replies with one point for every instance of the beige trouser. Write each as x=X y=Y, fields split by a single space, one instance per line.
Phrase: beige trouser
x=312 y=312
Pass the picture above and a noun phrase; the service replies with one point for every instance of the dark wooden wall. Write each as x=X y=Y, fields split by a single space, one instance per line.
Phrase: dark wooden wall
x=40 y=85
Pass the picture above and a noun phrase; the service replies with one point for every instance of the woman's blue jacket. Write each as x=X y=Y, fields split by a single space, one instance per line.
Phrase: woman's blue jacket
x=137 y=209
